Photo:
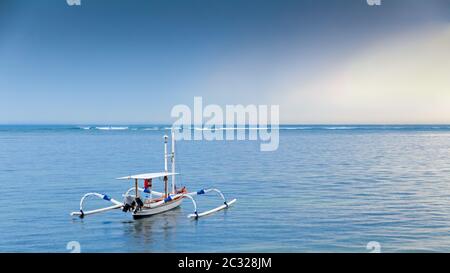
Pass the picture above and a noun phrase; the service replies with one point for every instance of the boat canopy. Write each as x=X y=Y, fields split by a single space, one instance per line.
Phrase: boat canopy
x=146 y=176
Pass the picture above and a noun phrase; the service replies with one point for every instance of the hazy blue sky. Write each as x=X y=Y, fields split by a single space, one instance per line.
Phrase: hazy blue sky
x=111 y=61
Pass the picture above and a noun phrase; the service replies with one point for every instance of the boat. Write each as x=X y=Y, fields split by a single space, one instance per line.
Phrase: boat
x=144 y=201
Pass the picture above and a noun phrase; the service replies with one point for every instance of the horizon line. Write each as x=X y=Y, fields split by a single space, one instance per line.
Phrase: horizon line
x=236 y=124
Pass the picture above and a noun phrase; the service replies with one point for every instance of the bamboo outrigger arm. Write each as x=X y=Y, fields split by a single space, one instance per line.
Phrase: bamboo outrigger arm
x=82 y=213
x=196 y=215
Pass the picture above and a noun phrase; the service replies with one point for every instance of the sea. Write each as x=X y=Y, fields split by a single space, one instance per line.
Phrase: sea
x=327 y=188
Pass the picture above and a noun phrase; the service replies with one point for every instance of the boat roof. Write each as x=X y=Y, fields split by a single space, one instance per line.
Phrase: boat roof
x=146 y=176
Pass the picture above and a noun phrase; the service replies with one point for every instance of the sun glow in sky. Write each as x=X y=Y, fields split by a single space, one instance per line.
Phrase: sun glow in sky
x=401 y=79
x=323 y=61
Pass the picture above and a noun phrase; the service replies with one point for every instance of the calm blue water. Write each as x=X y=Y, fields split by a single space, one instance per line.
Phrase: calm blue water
x=327 y=188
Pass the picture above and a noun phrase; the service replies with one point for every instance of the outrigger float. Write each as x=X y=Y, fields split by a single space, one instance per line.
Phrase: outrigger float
x=155 y=202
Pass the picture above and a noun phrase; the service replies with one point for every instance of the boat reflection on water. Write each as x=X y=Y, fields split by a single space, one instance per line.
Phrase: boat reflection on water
x=155 y=232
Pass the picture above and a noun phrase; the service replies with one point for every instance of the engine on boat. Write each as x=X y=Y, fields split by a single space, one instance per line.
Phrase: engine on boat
x=129 y=203
x=132 y=204
x=139 y=204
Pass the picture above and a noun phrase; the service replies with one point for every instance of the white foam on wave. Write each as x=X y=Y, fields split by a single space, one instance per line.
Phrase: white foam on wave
x=340 y=128
x=229 y=128
x=296 y=128
x=108 y=128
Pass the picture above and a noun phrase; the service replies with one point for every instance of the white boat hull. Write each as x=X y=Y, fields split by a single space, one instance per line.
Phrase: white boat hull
x=146 y=212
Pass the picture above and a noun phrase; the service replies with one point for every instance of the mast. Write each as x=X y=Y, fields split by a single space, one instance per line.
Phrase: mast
x=165 y=166
x=166 y=190
x=165 y=152
x=136 y=188
x=173 y=161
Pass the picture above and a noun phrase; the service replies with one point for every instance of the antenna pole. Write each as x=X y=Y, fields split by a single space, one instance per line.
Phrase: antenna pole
x=173 y=161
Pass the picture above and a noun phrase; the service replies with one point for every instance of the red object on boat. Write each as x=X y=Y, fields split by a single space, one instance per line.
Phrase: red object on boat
x=147 y=183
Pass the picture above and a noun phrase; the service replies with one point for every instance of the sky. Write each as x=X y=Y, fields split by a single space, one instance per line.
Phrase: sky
x=321 y=61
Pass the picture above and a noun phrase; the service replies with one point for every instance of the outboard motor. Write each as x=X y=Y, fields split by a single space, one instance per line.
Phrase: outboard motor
x=129 y=203
x=139 y=204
